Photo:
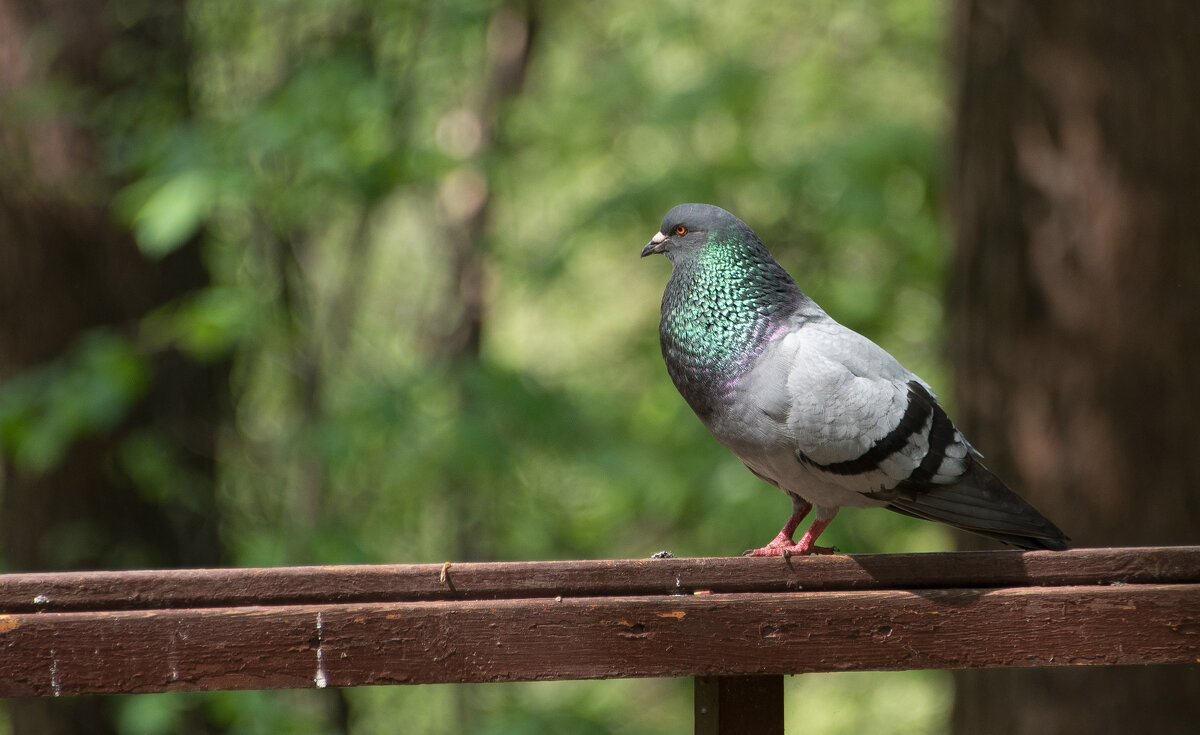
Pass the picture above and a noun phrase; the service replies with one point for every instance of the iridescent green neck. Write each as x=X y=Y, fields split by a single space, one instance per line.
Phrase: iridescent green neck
x=721 y=306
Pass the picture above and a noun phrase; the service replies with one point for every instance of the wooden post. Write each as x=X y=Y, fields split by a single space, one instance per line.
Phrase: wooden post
x=726 y=705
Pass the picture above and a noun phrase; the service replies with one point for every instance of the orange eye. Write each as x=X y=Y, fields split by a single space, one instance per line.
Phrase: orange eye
x=680 y=230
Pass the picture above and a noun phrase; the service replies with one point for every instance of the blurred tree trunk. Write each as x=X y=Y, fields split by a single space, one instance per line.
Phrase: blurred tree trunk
x=1077 y=303
x=66 y=267
x=464 y=201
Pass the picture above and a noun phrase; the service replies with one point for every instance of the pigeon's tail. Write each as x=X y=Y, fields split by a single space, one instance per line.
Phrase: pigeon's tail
x=980 y=503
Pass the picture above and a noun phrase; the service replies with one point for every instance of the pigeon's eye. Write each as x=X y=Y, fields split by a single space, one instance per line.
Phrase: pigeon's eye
x=680 y=230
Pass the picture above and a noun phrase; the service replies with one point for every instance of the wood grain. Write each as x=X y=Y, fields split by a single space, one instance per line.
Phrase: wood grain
x=194 y=588
x=150 y=631
x=259 y=647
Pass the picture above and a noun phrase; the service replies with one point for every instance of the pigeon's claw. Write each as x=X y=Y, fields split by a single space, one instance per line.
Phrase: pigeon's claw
x=814 y=549
x=782 y=545
x=791 y=550
x=783 y=539
x=771 y=550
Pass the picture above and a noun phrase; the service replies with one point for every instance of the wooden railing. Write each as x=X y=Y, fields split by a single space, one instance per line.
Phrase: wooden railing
x=736 y=624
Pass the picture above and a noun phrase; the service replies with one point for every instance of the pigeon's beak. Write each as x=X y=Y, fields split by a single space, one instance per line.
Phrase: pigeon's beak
x=656 y=245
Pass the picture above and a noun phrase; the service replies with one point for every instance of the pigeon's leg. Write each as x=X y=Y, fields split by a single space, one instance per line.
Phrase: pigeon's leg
x=783 y=544
x=783 y=540
x=808 y=542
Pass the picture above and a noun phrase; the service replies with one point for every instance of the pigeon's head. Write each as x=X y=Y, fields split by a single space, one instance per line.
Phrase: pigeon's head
x=688 y=227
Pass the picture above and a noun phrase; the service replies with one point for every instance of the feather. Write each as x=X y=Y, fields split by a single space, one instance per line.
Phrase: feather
x=809 y=406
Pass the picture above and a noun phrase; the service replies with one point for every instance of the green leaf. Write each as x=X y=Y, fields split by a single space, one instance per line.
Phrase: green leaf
x=173 y=211
x=206 y=324
x=87 y=391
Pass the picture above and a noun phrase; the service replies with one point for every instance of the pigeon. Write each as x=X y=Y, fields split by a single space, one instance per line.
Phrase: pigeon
x=810 y=406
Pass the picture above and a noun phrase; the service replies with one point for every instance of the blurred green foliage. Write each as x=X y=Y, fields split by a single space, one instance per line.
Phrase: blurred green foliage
x=331 y=154
x=85 y=392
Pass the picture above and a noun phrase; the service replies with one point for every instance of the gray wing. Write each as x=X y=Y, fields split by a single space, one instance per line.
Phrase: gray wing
x=858 y=415
x=862 y=421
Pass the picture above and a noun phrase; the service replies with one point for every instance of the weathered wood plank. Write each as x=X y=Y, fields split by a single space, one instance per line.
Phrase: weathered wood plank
x=131 y=590
x=590 y=638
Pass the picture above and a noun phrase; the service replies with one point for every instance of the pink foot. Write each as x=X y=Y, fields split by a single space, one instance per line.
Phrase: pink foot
x=782 y=544
x=814 y=549
x=791 y=550
x=769 y=550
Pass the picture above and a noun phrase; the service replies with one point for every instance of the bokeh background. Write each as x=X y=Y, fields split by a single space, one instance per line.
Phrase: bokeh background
x=325 y=282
